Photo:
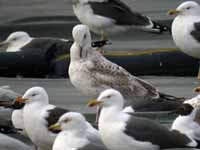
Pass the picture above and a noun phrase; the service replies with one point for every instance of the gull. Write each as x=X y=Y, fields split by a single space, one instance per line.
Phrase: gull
x=107 y=17
x=186 y=28
x=187 y=121
x=91 y=73
x=16 y=116
x=22 y=41
x=74 y=133
x=38 y=115
x=129 y=132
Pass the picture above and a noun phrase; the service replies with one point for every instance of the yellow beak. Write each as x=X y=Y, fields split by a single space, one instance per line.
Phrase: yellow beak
x=173 y=12
x=55 y=127
x=197 y=89
x=21 y=100
x=93 y=103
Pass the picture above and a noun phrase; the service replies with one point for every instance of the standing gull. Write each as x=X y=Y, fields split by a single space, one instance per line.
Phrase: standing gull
x=106 y=17
x=130 y=132
x=91 y=73
x=186 y=28
x=74 y=133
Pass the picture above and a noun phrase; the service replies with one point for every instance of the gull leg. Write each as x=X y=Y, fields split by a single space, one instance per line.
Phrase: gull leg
x=197 y=89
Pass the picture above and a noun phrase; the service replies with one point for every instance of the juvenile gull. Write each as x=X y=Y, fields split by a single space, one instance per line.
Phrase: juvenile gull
x=74 y=133
x=130 y=132
x=91 y=73
x=186 y=28
x=106 y=17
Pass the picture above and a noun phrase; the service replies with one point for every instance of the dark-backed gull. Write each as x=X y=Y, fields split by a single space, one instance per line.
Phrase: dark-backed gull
x=39 y=115
x=106 y=17
x=121 y=130
x=187 y=121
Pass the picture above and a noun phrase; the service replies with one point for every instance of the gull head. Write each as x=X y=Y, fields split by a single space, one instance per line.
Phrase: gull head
x=16 y=39
x=70 y=121
x=187 y=8
x=108 y=98
x=34 y=94
x=81 y=35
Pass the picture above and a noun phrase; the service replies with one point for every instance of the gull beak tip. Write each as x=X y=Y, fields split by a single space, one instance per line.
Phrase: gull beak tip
x=93 y=103
x=55 y=127
x=172 y=12
x=21 y=100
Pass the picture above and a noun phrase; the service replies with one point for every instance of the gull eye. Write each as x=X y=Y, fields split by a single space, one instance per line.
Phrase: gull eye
x=34 y=94
x=14 y=39
x=84 y=36
x=66 y=120
x=188 y=8
x=109 y=96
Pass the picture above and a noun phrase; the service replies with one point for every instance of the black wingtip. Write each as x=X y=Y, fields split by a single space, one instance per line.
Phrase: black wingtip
x=171 y=98
x=160 y=28
x=99 y=44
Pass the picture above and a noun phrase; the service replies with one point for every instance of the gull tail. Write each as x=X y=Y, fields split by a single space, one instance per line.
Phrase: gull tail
x=160 y=28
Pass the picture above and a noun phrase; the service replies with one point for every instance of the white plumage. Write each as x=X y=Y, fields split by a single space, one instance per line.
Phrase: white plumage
x=186 y=28
x=74 y=133
x=130 y=132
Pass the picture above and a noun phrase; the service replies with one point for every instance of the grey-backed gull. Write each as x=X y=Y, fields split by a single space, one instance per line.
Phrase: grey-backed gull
x=129 y=132
x=91 y=73
x=74 y=133
x=106 y=17
x=186 y=28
